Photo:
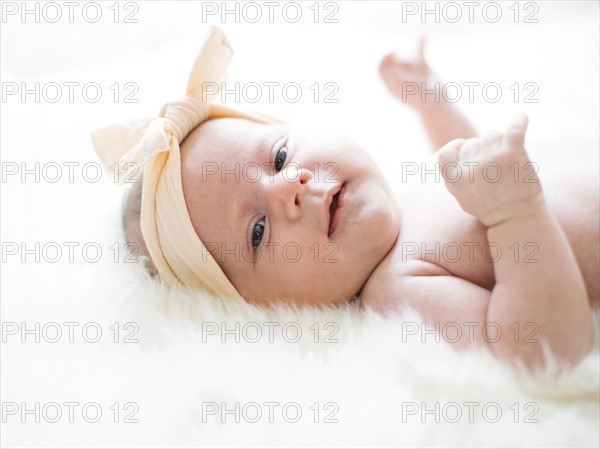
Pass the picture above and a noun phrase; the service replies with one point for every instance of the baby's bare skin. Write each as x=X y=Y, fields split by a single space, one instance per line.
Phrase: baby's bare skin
x=441 y=265
x=431 y=216
x=444 y=266
x=396 y=250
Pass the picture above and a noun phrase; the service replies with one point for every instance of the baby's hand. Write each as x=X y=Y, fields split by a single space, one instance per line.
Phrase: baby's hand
x=406 y=79
x=492 y=177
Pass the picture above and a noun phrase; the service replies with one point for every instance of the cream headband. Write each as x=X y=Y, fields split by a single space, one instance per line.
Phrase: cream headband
x=152 y=144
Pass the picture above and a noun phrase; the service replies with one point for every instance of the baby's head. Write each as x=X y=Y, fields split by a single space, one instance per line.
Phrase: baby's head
x=260 y=197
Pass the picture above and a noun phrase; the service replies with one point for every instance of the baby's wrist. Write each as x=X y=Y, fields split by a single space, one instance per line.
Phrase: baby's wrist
x=526 y=209
x=434 y=105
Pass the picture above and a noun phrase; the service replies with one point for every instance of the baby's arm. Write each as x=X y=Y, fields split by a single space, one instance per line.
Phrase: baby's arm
x=549 y=293
x=408 y=80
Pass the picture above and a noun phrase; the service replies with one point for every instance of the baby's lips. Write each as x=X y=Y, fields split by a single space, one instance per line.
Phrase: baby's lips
x=331 y=192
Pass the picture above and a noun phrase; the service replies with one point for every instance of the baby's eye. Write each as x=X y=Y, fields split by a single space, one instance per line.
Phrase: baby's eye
x=257 y=233
x=280 y=158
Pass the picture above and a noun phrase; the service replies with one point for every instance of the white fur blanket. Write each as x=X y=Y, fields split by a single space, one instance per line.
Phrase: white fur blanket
x=184 y=360
x=159 y=373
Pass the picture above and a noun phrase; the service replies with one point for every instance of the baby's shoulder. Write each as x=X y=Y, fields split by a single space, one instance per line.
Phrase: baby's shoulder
x=390 y=282
x=427 y=288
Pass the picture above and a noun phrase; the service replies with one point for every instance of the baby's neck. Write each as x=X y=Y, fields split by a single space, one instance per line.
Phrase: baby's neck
x=377 y=280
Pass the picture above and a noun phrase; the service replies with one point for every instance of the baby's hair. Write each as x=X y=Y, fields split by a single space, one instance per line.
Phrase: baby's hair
x=133 y=230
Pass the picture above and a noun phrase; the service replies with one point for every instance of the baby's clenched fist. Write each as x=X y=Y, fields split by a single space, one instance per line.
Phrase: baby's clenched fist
x=492 y=177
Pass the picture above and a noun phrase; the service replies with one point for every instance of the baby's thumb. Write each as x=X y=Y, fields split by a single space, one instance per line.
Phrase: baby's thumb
x=448 y=158
x=515 y=132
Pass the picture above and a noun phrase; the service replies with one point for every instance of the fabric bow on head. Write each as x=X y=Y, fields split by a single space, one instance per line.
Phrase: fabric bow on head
x=152 y=144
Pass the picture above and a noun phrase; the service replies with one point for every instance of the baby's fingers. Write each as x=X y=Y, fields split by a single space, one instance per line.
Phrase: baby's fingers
x=422 y=48
x=515 y=132
x=449 y=154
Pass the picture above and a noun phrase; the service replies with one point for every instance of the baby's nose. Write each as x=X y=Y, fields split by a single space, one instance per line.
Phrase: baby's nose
x=286 y=192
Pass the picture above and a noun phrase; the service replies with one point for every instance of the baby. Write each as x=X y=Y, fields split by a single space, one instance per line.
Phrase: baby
x=291 y=215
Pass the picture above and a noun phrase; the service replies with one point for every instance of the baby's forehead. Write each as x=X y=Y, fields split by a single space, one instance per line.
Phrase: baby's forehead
x=219 y=140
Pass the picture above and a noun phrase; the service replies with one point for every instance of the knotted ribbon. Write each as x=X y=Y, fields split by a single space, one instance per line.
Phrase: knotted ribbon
x=152 y=144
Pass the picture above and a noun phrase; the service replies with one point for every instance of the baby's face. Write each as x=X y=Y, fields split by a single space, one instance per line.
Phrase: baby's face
x=261 y=198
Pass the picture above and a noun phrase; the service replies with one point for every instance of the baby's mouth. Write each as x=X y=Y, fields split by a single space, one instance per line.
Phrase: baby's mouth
x=333 y=208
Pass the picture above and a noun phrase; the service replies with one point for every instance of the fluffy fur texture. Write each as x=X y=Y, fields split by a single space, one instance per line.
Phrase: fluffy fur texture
x=374 y=370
